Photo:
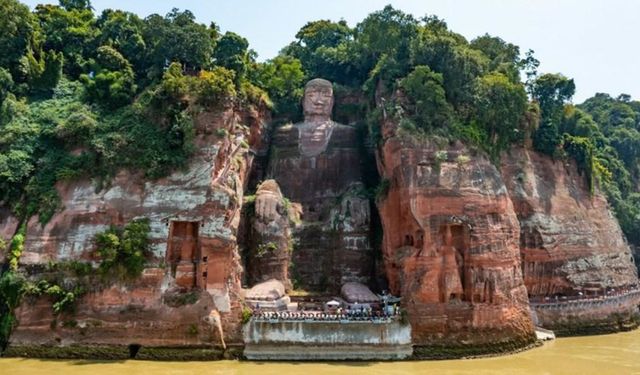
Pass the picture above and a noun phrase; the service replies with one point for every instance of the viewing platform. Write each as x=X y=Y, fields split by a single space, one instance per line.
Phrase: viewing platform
x=318 y=336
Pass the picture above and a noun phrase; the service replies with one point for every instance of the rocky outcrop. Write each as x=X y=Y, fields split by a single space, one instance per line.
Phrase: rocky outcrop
x=195 y=266
x=571 y=244
x=450 y=244
x=353 y=292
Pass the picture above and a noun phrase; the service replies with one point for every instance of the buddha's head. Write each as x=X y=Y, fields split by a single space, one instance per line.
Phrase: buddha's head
x=318 y=99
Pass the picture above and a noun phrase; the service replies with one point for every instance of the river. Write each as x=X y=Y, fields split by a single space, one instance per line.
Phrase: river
x=610 y=354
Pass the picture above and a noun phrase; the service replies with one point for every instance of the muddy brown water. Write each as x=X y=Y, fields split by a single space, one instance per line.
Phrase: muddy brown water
x=608 y=354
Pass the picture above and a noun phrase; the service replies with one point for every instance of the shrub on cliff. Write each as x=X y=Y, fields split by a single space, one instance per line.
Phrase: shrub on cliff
x=215 y=86
x=123 y=251
x=11 y=291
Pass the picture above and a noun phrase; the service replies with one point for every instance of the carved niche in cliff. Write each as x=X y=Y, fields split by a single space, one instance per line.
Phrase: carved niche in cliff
x=453 y=251
x=318 y=164
x=182 y=252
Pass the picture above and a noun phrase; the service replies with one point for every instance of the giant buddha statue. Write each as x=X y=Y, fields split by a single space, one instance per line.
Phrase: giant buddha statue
x=318 y=164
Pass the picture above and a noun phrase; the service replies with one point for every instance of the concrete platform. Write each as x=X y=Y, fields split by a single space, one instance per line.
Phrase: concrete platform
x=326 y=340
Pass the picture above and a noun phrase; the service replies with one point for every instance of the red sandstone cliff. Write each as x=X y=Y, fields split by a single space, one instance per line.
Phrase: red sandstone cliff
x=194 y=216
x=450 y=244
x=453 y=247
x=570 y=242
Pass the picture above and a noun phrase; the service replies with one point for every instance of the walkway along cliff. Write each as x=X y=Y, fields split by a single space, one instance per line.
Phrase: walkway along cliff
x=472 y=249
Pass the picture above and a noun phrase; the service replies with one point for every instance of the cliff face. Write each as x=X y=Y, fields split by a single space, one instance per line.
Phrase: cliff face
x=571 y=244
x=570 y=240
x=450 y=245
x=463 y=242
x=195 y=268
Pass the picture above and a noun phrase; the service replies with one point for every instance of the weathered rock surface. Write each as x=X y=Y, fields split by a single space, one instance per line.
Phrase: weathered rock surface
x=570 y=242
x=270 y=290
x=194 y=216
x=450 y=244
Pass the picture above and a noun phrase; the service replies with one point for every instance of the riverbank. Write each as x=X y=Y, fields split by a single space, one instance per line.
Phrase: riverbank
x=235 y=352
x=602 y=355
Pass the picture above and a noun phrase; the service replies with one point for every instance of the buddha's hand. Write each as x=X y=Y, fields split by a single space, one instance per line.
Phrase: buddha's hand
x=267 y=204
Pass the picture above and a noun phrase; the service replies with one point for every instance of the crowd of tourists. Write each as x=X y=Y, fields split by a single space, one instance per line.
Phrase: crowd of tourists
x=363 y=314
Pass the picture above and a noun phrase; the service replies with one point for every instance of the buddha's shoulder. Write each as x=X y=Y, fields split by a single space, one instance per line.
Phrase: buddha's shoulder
x=344 y=135
x=285 y=133
x=343 y=129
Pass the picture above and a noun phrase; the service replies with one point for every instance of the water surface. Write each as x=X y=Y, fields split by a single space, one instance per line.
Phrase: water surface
x=609 y=354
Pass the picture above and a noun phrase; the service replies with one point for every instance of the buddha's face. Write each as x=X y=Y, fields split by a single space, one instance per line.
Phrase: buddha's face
x=318 y=101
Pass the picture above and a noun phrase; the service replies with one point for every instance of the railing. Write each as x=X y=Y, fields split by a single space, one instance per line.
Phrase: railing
x=318 y=316
x=576 y=301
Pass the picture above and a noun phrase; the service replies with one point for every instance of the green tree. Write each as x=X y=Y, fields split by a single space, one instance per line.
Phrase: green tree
x=123 y=31
x=282 y=77
x=232 y=52
x=551 y=91
x=504 y=57
x=500 y=104
x=383 y=41
x=450 y=55
x=113 y=84
x=177 y=38
x=6 y=83
x=626 y=141
x=427 y=106
x=44 y=73
x=323 y=50
x=76 y=4
x=17 y=29
x=71 y=32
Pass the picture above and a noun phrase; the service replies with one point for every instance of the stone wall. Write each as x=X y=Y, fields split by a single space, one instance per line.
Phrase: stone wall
x=327 y=340
x=590 y=315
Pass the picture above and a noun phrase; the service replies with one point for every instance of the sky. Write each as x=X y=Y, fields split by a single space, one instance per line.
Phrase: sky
x=595 y=42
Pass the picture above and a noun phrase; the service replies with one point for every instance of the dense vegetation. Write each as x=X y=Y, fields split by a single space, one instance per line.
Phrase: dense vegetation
x=84 y=94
